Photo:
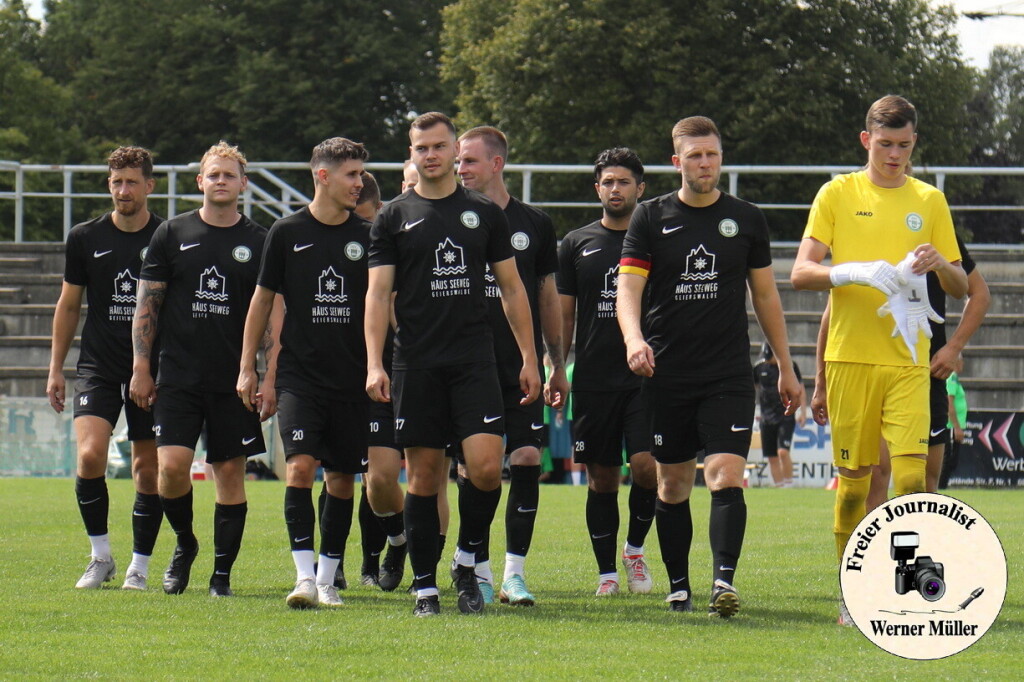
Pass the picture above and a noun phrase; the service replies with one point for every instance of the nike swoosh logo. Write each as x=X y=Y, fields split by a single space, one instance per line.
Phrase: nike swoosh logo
x=488 y=420
x=525 y=511
x=365 y=461
x=408 y=226
x=678 y=580
x=598 y=537
x=186 y=247
x=302 y=539
x=246 y=441
x=91 y=501
x=423 y=577
x=737 y=429
x=670 y=230
x=97 y=254
x=333 y=555
x=936 y=433
x=217 y=556
x=644 y=520
x=589 y=252
x=135 y=513
x=536 y=427
x=298 y=248
x=474 y=543
x=726 y=568
x=220 y=573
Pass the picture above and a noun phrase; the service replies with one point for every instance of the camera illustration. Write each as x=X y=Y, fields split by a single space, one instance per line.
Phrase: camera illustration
x=923 y=575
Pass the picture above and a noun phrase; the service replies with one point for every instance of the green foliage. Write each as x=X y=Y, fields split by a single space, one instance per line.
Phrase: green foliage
x=788 y=81
x=273 y=76
x=786 y=629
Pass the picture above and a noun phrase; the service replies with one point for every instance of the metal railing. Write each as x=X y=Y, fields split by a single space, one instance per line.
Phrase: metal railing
x=270 y=195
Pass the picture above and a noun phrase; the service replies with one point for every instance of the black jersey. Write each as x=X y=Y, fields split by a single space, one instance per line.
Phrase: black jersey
x=766 y=377
x=534 y=245
x=937 y=298
x=210 y=274
x=107 y=262
x=440 y=249
x=697 y=261
x=321 y=271
x=588 y=268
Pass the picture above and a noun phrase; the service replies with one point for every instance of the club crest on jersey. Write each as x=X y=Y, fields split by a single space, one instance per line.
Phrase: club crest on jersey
x=142 y=254
x=520 y=241
x=728 y=228
x=470 y=219
x=915 y=222
x=124 y=288
x=242 y=254
x=354 y=250
x=331 y=287
x=448 y=259
x=212 y=285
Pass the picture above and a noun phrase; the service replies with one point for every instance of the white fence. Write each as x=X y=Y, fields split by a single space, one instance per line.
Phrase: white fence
x=270 y=196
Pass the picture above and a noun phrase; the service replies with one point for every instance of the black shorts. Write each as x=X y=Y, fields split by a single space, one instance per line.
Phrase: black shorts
x=775 y=437
x=231 y=430
x=98 y=397
x=687 y=417
x=332 y=431
x=524 y=424
x=605 y=422
x=382 y=426
x=434 y=406
x=938 y=402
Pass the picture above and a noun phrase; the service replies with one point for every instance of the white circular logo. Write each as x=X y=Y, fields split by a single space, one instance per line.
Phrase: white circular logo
x=354 y=250
x=728 y=228
x=142 y=254
x=470 y=219
x=923 y=576
x=915 y=222
x=520 y=240
x=242 y=254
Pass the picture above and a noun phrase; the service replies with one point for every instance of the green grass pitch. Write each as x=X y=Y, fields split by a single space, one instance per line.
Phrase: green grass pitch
x=786 y=629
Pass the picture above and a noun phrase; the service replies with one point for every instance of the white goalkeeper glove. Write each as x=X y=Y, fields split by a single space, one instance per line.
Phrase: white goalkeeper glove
x=877 y=274
x=909 y=307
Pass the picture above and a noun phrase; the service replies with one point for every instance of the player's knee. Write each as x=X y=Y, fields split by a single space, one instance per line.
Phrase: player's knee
x=908 y=474
x=526 y=456
x=300 y=471
x=92 y=462
x=851 y=496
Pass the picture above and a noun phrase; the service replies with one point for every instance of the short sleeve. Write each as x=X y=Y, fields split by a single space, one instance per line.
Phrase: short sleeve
x=566 y=278
x=636 y=249
x=272 y=267
x=157 y=266
x=74 y=265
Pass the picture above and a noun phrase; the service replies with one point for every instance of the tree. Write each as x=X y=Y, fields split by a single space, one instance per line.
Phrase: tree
x=788 y=81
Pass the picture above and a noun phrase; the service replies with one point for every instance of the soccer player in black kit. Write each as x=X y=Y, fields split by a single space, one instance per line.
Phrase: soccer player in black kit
x=102 y=260
x=608 y=411
x=432 y=245
x=482 y=155
x=697 y=251
x=195 y=286
x=316 y=258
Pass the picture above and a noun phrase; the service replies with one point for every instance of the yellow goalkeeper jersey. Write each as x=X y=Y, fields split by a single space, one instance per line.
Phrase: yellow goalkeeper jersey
x=860 y=221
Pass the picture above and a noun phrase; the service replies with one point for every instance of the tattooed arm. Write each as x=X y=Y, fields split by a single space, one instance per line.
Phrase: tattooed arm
x=142 y=389
x=557 y=389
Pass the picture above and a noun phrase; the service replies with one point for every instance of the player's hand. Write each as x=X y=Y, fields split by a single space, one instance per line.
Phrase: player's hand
x=878 y=274
x=801 y=418
x=819 y=406
x=378 y=386
x=958 y=434
x=557 y=389
x=789 y=390
x=640 y=358
x=142 y=390
x=55 y=385
x=926 y=259
x=529 y=383
x=909 y=307
x=266 y=401
x=246 y=388
x=945 y=362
